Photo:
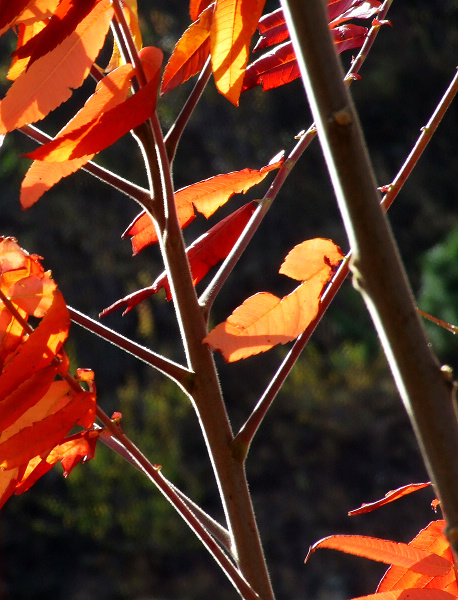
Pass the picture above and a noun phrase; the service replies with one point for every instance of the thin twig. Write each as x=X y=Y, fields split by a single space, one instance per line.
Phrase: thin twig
x=154 y=474
x=175 y=132
x=173 y=370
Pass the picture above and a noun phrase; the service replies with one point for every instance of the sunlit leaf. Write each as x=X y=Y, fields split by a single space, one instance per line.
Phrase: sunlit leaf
x=130 y=11
x=389 y=497
x=103 y=130
x=50 y=80
x=190 y=52
x=264 y=320
x=196 y=7
x=234 y=23
x=41 y=176
x=395 y=553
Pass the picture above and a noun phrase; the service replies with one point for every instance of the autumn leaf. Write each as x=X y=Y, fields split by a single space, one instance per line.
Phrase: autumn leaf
x=264 y=320
x=190 y=52
x=9 y=11
x=394 y=553
x=50 y=79
x=410 y=594
x=207 y=196
x=41 y=176
x=196 y=8
x=66 y=17
x=433 y=540
x=234 y=23
x=103 y=130
x=203 y=254
x=389 y=497
x=130 y=11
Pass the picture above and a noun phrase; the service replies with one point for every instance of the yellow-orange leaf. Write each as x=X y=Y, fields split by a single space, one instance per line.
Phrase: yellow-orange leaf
x=190 y=52
x=110 y=92
x=264 y=320
x=234 y=23
x=129 y=8
x=25 y=33
x=402 y=555
x=208 y=195
x=306 y=259
x=196 y=7
x=51 y=78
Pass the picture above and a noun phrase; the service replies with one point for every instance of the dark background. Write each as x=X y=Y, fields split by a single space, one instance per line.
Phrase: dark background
x=337 y=434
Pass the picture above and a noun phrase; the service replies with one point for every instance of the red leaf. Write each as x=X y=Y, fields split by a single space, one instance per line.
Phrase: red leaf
x=50 y=79
x=410 y=594
x=41 y=176
x=389 y=497
x=234 y=23
x=347 y=37
x=402 y=555
x=207 y=251
x=190 y=53
x=432 y=540
x=9 y=11
x=104 y=130
x=264 y=320
x=67 y=16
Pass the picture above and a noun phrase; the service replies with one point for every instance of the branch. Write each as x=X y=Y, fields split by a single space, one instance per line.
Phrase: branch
x=378 y=273
x=174 y=371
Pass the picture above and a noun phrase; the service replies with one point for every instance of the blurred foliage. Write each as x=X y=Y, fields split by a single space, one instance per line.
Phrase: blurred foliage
x=337 y=434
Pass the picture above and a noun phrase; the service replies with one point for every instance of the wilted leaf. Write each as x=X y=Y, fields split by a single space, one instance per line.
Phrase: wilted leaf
x=190 y=52
x=395 y=553
x=264 y=320
x=50 y=80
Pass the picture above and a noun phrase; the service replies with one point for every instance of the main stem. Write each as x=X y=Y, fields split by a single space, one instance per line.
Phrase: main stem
x=205 y=392
x=378 y=272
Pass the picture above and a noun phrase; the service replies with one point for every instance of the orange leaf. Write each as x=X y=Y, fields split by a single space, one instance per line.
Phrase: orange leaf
x=64 y=20
x=190 y=52
x=50 y=79
x=130 y=11
x=9 y=12
x=196 y=7
x=37 y=10
x=39 y=349
x=389 y=497
x=410 y=594
x=306 y=259
x=41 y=176
x=234 y=23
x=46 y=424
x=402 y=555
x=264 y=320
x=8 y=481
x=25 y=33
x=208 y=195
x=103 y=130
x=431 y=540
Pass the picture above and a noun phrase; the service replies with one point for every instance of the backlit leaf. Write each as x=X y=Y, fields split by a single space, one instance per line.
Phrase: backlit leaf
x=389 y=497
x=264 y=320
x=196 y=7
x=9 y=11
x=41 y=176
x=105 y=129
x=399 y=554
x=208 y=195
x=410 y=594
x=63 y=22
x=130 y=11
x=430 y=539
x=190 y=52
x=50 y=79
x=234 y=23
